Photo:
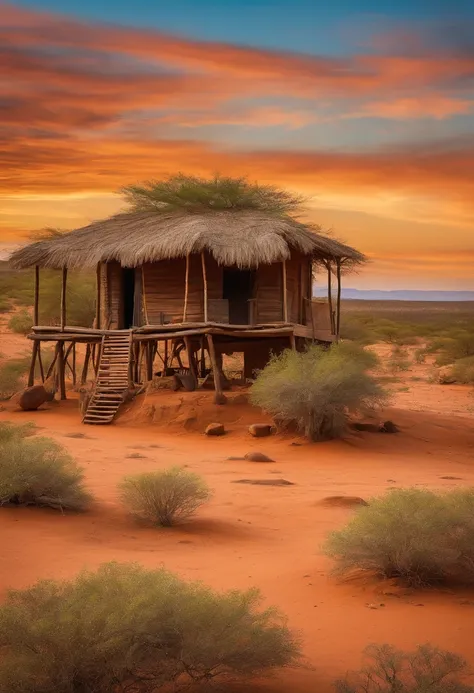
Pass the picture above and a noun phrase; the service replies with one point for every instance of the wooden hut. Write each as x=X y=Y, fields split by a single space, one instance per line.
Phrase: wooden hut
x=208 y=284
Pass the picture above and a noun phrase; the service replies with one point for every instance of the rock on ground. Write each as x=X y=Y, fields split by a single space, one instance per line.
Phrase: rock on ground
x=33 y=397
x=264 y=482
x=344 y=501
x=215 y=429
x=260 y=430
x=257 y=457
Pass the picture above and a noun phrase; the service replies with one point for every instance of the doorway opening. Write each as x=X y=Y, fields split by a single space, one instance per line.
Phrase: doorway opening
x=128 y=292
x=238 y=289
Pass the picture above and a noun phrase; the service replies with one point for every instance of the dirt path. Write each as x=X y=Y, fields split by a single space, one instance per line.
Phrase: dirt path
x=269 y=537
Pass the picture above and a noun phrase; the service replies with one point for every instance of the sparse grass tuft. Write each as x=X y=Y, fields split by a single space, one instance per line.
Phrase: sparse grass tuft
x=317 y=390
x=164 y=498
x=12 y=374
x=418 y=536
x=38 y=471
x=125 y=628
x=389 y=670
x=463 y=371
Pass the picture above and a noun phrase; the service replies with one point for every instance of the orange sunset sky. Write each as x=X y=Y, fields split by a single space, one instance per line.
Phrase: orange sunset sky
x=365 y=107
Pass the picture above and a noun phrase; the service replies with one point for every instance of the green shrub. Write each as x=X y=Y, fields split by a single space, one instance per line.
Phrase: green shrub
x=463 y=371
x=317 y=390
x=21 y=322
x=10 y=431
x=164 y=498
x=124 y=628
x=38 y=471
x=389 y=670
x=416 y=535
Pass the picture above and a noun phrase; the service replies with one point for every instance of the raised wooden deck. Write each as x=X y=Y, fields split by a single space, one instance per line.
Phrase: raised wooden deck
x=48 y=333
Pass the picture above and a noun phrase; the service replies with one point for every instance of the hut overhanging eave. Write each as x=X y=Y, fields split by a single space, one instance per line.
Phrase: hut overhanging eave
x=245 y=239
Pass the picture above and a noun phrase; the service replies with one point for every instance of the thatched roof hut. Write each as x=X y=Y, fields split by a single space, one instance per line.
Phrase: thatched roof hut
x=194 y=258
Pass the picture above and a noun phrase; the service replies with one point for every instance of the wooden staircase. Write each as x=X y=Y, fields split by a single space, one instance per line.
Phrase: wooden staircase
x=112 y=378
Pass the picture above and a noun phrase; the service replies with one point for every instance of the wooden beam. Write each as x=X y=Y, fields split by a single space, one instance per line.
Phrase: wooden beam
x=331 y=314
x=36 y=303
x=285 y=294
x=192 y=365
x=149 y=361
x=63 y=298
x=204 y=278
x=61 y=371
x=40 y=362
x=85 y=366
x=219 y=398
x=186 y=288
x=98 y=306
x=338 y=303
x=31 y=374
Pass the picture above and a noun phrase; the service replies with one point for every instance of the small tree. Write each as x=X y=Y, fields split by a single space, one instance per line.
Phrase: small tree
x=10 y=431
x=164 y=498
x=38 y=471
x=389 y=670
x=317 y=390
x=124 y=628
x=416 y=535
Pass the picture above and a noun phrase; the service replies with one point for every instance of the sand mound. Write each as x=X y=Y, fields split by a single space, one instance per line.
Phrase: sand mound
x=192 y=411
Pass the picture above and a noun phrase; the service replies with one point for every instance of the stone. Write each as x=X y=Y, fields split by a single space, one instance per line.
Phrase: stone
x=344 y=501
x=388 y=427
x=33 y=397
x=260 y=430
x=264 y=482
x=215 y=429
x=257 y=457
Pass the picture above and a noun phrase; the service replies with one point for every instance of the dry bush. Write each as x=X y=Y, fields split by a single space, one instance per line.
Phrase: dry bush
x=317 y=390
x=463 y=371
x=389 y=670
x=38 y=471
x=10 y=431
x=418 y=536
x=457 y=347
x=21 y=322
x=164 y=498
x=125 y=628
x=12 y=374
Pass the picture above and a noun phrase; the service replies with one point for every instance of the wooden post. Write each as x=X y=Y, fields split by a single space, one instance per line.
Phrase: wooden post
x=36 y=304
x=338 y=304
x=31 y=374
x=63 y=298
x=192 y=365
x=74 y=377
x=203 y=359
x=219 y=397
x=53 y=362
x=293 y=341
x=149 y=361
x=165 y=357
x=85 y=367
x=144 y=303
x=186 y=289
x=285 y=296
x=61 y=371
x=331 y=314
x=204 y=278
x=98 y=306
x=40 y=362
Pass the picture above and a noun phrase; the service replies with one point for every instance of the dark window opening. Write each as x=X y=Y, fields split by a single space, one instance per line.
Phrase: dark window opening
x=128 y=289
x=238 y=289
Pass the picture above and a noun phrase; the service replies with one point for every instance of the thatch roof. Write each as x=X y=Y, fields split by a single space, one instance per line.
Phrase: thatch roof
x=246 y=238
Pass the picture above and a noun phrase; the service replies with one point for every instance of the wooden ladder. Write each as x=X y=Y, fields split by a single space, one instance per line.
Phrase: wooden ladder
x=112 y=378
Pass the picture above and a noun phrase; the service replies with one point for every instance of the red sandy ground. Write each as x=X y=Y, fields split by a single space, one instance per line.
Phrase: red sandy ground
x=269 y=537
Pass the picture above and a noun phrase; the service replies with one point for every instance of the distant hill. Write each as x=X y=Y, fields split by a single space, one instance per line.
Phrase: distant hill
x=400 y=295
